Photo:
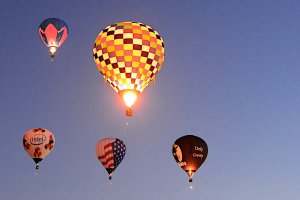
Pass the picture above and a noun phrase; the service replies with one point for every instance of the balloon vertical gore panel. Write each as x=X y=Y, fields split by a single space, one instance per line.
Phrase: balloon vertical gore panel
x=190 y=152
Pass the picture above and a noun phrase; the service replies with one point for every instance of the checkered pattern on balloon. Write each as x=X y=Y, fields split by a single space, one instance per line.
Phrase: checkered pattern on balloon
x=129 y=55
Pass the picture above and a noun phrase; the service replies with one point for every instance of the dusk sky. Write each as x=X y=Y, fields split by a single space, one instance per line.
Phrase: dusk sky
x=231 y=76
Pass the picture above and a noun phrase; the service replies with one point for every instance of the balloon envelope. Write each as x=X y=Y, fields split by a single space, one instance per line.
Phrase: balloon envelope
x=190 y=152
x=38 y=143
x=53 y=32
x=129 y=55
x=110 y=152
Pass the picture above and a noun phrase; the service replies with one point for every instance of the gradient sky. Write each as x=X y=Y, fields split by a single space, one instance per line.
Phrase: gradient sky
x=231 y=76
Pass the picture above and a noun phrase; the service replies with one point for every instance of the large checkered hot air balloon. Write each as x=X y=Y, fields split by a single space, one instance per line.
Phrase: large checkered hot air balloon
x=53 y=32
x=110 y=152
x=38 y=143
x=129 y=55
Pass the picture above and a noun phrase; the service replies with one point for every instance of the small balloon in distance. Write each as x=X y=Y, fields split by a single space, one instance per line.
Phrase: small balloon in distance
x=38 y=143
x=190 y=152
x=53 y=32
x=110 y=153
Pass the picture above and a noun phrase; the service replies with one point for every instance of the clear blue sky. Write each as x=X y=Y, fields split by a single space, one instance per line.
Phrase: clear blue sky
x=231 y=77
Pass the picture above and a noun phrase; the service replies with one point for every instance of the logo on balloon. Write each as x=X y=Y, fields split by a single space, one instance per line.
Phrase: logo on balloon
x=177 y=153
x=37 y=139
x=198 y=155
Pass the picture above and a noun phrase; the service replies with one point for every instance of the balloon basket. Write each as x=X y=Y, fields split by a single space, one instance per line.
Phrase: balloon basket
x=129 y=112
x=36 y=171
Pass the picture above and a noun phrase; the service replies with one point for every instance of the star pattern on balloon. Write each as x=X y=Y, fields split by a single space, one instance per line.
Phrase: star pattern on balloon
x=119 y=151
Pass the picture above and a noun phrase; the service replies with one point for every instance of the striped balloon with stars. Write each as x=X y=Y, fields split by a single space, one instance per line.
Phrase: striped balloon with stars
x=110 y=152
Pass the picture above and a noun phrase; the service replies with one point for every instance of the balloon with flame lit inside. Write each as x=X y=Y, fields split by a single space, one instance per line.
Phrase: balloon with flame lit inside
x=190 y=152
x=110 y=152
x=53 y=32
x=129 y=55
x=38 y=143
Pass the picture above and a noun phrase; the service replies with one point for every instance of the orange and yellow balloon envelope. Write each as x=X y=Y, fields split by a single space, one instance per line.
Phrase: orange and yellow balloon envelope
x=38 y=143
x=129 y=55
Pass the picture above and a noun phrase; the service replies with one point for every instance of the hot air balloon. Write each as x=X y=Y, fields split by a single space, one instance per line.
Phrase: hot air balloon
x=53 y=32
x=38 y=143
x=190 y=152
x=110 y=152
x=129 y=55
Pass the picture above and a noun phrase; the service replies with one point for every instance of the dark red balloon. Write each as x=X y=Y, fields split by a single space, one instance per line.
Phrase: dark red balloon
x=190 y=152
